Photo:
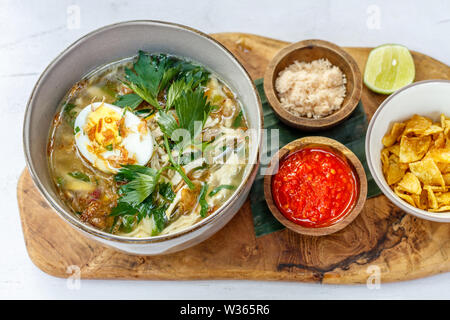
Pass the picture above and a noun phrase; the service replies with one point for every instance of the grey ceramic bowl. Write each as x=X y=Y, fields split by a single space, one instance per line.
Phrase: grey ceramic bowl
x=109 y=44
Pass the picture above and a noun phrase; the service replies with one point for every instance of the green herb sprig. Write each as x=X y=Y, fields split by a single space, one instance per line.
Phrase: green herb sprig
x=222 y=186
x=79 y=175
x=192 y=109
x=138 y=197
x=149 y=77
x=202 y=200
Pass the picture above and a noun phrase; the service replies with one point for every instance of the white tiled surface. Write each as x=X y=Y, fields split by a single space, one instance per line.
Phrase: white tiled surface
x=34 y=32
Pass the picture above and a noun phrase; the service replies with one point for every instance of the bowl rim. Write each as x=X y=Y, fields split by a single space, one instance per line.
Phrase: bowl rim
x=388 y=192
x=311 y=124
x=76 y=223
x=341 y=150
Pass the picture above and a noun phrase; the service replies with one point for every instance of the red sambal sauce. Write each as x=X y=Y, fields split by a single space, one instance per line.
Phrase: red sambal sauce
x=314 y=187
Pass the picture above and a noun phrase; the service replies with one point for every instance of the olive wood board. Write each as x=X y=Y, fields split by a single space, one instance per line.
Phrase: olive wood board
x=401 y=246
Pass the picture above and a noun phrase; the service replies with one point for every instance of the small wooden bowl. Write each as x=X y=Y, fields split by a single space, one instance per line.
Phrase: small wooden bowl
x=307 y=51
x=337 y=148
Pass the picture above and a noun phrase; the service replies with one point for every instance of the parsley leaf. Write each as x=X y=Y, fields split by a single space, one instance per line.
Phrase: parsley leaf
x=128 y=223
x=222 y=186
x=192 y=110
x=151 y=76
x=129 y=172
x=167 y=123
x=202 y=200
x=69 y=114
x=159 y=219
x=79 y=175
x=130 y=100
x=166 y=191
x=237 y=122
x=139 y=198
x=192 y=107
x=139 y=188
x=144 y=112
x=175 y=91
x=195 y=75
x=123 y=208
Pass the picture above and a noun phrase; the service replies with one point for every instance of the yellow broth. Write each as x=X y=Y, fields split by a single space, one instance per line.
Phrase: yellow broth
x=92 y=194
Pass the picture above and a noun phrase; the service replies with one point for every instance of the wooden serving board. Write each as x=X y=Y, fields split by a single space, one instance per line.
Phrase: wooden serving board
x=401 y=246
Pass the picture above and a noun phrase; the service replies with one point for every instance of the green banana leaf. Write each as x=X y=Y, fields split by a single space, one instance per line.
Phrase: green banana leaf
x=352 y=133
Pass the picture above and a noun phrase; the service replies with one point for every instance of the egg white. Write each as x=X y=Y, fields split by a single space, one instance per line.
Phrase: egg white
x=137 y=144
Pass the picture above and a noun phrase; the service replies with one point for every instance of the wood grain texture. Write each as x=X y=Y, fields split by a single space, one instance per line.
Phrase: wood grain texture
x=402 y=246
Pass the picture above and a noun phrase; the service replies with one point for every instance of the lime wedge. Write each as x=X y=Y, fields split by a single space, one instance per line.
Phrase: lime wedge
x=389 y=67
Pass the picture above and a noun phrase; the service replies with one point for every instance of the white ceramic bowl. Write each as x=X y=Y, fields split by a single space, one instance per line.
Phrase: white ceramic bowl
x=428 y=98
x=109 y=44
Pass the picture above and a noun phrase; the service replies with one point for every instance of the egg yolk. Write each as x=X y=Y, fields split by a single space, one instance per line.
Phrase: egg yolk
x=103 y=127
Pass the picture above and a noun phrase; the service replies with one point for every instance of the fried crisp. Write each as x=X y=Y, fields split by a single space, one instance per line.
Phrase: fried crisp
x=441 y=209
x=394 y=171
x=416 y=199
x=443 y=118
x=395 y=149
x=416 y=162
x=443 y=199
x=447 y=179
x=423 y=204
x=433 y=129
x=443 y=167
x=432 y=201
x=427 y=172
x=440 y=141
x=396 y=131
x=404 y=196
x=417 y=125
x=445 y=122
x=410 y=183
x=385 y=160
x=441 y=155
x=414 y=148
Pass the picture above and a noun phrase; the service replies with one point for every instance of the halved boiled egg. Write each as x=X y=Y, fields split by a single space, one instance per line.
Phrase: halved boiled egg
x=109 y=137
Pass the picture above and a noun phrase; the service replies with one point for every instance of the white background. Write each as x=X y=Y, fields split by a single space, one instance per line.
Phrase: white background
x=32 y=33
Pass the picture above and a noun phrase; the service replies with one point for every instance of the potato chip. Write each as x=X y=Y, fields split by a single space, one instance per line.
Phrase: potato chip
x=447 y=179
x=443 y=118
x=443 y=199
x=427 y=172
x=447 y=131
x=403 y=166
x=445 y=122
x=385 y=160
x=394 y=171
x=395 y=149
x=416 y=198
x=413 y=148
x=417 y=125
x=396 y=131
x=423 y=200
x=416 y=162
x=443 y=167
x=433 y=129
x=404 y=196
x=441 y=155
x=438 y=188
x=441 y=209
x=410 y=183
x=440 y=141
x=432 y=201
